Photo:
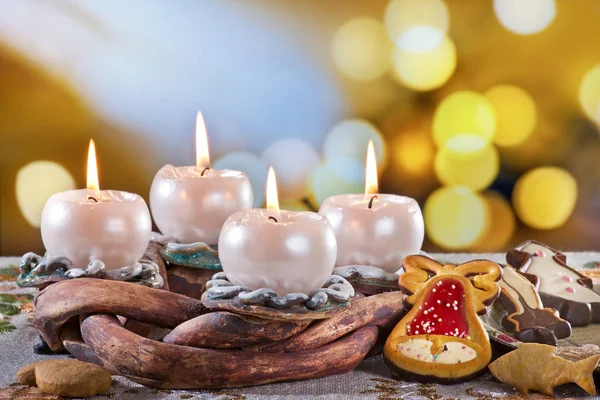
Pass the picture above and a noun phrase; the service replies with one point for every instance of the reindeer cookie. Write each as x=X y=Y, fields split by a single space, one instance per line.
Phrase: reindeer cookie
x=526 y=315
x=441 y=339
x=560 y=286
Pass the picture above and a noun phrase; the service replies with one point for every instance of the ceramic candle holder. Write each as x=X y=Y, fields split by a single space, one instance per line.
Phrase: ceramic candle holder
x=38 y=272
x=190 y=265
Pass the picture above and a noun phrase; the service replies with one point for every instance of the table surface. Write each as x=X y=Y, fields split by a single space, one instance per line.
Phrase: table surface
x=370 y=380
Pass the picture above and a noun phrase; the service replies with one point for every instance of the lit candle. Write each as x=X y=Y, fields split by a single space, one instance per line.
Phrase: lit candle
x=192 y=203
x=90 y=224
x=287 y=251
x=374 y=229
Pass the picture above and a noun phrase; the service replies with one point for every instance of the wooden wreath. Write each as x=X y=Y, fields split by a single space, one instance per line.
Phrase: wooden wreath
x=206 y=347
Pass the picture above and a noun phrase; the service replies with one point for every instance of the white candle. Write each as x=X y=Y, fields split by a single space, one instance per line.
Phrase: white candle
x=374 y=229
x=90 y=224
x=192 y=203
x=287 y=251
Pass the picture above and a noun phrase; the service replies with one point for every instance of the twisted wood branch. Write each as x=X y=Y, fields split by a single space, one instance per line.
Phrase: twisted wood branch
x=205 y=349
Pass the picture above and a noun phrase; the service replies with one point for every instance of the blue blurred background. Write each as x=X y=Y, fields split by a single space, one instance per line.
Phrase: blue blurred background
x=486 y=113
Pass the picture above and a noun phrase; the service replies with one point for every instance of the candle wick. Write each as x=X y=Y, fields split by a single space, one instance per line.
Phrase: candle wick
x=204 y=170
x=371 y=201
x=272 y=218
x=92 y=198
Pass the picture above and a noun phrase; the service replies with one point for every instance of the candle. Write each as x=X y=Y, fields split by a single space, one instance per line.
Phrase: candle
x=90 y=224
x=374 y=229
x=287 y=251
x=192 y=203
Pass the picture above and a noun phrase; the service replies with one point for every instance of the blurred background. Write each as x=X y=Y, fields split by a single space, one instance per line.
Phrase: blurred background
x=486 y=112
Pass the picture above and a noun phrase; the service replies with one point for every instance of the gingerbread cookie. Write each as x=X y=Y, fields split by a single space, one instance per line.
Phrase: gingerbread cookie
x=535 y=367
x=527 y=317
x=560 y=286
x=441 y=338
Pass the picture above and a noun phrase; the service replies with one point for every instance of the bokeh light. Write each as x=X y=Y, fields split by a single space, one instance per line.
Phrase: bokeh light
x=463 y=112
x=501 y=223
x=426 y=70
x=293 y=160
x=525 y=17
x=589 y=94
x=515 y=114
x=411 y=151
x=534 y=61
x=417 y=25
x=350 y=137
x=414 y=152
x=35 y=183
x=361 y=49
x=545 y=197
x=253 y=166
x=467 y=160
x=336 y=175
x=455 y=217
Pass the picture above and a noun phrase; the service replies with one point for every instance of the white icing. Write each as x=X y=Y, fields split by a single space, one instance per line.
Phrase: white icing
x=551 y=276
x=510 y=292
x=518 y=286
x=420 y=349
x=456 y=353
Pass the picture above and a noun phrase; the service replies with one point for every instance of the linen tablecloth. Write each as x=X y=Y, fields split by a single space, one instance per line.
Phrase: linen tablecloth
x=371 y=380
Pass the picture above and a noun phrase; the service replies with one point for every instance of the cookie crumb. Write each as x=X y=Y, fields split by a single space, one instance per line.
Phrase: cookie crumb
x=428 y=390
x=479 y=396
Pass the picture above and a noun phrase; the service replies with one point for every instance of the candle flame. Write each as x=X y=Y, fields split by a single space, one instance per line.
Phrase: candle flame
x=92 y=168
x=272 y=198
x=202 y=157
x=371 y=186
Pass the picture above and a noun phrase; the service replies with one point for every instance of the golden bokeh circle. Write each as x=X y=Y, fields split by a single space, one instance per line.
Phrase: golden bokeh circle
x=589 y=94
x=413 y=152
x=361 y=49
x=455 y=217
x=467 y=160
x=35 y=183
x=425 y=70
x=545 y=197
x=515 y=114
x=525 y=17
x=463 y=112
x=416 y=25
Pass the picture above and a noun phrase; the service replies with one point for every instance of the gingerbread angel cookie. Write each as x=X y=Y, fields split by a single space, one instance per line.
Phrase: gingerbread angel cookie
x=441 y=339
x=526 y=315
x=560 y=286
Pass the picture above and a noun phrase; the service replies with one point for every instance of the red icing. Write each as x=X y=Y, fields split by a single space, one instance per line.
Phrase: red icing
x=445 y=299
